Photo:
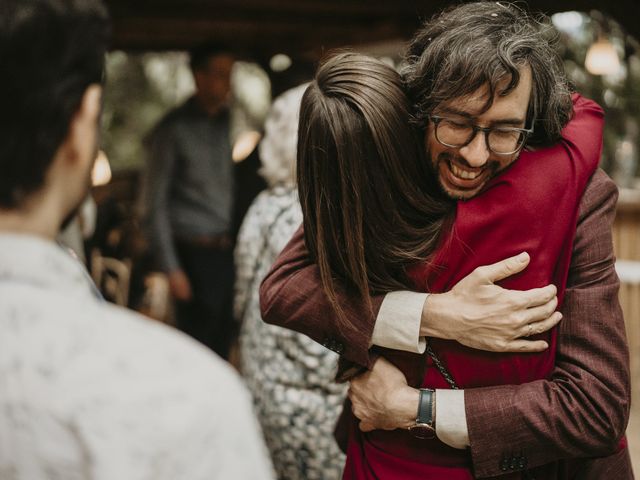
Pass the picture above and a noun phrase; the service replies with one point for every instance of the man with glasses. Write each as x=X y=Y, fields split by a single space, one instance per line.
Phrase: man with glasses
x=465 y=155
x=473 y=133
x=458 y=132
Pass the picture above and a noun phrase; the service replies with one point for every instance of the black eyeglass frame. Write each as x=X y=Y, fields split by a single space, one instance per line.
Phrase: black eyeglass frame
x=524 y=132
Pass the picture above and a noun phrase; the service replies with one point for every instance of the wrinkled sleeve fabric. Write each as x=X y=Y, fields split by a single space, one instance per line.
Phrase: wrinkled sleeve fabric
x=398 y=322
x=451 y=419
x=583 y=409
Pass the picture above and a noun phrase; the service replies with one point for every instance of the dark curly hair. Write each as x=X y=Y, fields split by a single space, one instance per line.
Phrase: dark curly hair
x=471 y=45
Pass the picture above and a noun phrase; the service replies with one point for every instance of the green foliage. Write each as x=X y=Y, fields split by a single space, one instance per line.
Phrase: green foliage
x=142 y=87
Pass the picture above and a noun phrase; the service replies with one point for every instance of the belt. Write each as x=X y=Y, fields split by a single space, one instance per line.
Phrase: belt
x=218 y=242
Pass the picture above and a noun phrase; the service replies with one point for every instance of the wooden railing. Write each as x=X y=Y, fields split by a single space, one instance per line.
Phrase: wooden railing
x=626 y=229
x=626 y=238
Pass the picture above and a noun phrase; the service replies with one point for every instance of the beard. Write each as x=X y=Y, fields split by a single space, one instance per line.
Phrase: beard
x=456 y=190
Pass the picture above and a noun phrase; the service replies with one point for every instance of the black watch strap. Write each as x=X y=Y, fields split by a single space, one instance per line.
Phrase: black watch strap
x=425 y=406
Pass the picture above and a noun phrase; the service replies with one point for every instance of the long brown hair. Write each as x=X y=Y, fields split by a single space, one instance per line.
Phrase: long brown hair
x=370 y=205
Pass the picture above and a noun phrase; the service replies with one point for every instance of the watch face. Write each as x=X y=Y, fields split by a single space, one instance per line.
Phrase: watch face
x=423 y=431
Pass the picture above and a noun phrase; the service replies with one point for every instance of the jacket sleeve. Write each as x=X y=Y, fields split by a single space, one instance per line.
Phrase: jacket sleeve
x=583 y=409
x=291 y=296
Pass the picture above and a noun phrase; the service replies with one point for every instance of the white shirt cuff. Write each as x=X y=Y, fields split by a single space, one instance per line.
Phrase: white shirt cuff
x=398 y=322
x=451 y=418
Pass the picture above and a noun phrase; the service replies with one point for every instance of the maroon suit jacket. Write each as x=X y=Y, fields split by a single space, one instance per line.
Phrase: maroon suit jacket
x=581 y=411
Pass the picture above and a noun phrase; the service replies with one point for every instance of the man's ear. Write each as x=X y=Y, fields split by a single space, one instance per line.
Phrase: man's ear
x=90 y=106
x=83 y=127
x=92 y=102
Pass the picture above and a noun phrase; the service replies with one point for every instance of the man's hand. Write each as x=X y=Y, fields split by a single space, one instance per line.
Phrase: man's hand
x=381 y=398
x=179 y=286
x=479 y=314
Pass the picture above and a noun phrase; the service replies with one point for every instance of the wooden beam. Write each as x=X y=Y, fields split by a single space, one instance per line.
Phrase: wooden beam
x=297 y=26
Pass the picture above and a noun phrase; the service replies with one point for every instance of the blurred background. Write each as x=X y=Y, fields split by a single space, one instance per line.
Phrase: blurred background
x=278 y=44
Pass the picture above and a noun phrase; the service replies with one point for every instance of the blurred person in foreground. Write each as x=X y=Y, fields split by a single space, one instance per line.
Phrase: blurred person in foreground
x=289 y=375
x=89 y=390
x=519 y=414
x=189 y=201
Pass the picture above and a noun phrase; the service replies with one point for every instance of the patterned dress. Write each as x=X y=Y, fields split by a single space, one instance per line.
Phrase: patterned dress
x=290 y=375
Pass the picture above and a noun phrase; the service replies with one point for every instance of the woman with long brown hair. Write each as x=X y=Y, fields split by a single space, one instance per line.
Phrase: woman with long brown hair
x=370 y=206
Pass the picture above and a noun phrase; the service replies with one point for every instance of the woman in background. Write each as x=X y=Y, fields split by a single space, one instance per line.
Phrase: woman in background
x=289 y=375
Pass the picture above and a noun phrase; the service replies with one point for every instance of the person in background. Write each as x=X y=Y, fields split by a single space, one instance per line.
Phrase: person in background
x=189 y=201
x=289 y=375
x=89 y=390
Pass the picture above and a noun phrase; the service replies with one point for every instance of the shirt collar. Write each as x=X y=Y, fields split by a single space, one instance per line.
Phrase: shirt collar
x=33 y=260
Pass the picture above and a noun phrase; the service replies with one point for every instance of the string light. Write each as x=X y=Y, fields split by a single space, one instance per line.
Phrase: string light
x=101 y=173
x=602 y=58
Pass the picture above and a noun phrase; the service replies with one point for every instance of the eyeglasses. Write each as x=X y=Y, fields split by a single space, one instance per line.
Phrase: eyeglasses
x=500 y=140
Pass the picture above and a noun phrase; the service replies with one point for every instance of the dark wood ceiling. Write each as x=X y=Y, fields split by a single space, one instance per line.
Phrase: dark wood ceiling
x=262 y=28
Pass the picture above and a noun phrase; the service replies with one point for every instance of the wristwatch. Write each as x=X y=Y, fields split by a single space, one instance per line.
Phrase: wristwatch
x=425 y=420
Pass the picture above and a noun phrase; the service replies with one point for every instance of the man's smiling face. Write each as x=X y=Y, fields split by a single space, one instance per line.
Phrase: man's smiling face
x=463 y=172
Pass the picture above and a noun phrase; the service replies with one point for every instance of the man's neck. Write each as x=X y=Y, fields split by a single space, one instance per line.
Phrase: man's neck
x=34 y=218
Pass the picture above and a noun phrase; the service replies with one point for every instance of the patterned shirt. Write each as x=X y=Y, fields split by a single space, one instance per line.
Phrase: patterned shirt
x=92 y=391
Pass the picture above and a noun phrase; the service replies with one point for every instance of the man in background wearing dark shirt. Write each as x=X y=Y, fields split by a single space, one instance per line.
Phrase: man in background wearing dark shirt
x=190 y=200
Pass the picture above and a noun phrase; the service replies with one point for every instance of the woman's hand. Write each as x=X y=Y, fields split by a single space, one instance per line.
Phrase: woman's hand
x=479 y=314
